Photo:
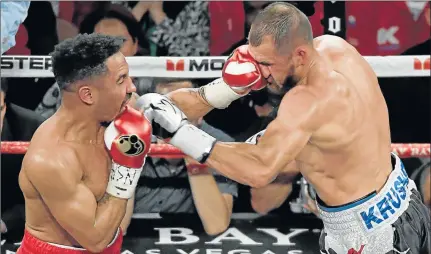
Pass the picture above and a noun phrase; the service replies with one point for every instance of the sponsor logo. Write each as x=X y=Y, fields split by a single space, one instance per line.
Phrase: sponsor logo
x=206 y=64
x=171 y=65
x=181 y=240
x=26 y=62
x=388 y=205
x=418 y=64
x=386 y=38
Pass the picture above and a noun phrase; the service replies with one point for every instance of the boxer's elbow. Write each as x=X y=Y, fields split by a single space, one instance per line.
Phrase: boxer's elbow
x=95 y=247
x=97 y=244
x=263 y=169
x=264 y=175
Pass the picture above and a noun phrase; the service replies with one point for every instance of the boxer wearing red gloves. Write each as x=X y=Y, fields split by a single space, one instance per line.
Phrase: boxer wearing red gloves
x=77 y=176
x=333 y=123
x=128 y=140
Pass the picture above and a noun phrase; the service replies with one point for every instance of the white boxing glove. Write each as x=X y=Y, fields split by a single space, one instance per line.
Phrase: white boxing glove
x=184 y=135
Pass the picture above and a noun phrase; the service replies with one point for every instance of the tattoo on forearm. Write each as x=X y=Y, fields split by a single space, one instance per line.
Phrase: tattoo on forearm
x=201 y=93
x=104 y=199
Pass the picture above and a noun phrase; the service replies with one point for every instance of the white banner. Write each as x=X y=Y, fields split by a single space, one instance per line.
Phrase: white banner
x=204 y=67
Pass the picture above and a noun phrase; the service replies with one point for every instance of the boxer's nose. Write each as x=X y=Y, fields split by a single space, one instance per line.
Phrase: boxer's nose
x=265 y=71
x=131 y=88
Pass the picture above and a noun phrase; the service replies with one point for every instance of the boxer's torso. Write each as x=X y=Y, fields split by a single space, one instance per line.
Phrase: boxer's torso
x=95 y=164
x=349 y=156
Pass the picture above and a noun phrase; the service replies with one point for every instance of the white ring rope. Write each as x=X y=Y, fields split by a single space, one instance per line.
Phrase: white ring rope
x=203 y=67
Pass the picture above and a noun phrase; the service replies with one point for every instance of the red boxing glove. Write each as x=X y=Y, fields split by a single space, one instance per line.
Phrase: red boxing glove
x=128 y=138
x=241 y=71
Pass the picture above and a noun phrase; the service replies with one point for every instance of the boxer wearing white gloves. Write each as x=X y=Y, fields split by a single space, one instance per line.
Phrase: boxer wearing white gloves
x=333 y=123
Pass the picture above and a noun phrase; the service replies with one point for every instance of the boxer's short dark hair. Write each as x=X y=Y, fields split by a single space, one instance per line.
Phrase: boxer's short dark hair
x=83 y=57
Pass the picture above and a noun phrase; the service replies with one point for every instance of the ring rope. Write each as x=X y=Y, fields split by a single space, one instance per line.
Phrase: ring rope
x=169 y=151
x=203 y=67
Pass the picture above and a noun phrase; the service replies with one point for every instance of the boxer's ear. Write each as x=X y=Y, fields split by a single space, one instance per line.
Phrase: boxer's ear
x=300 y=54
x=86 y=95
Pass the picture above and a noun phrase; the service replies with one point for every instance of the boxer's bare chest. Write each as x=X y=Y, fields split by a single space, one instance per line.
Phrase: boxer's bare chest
x=96 y=165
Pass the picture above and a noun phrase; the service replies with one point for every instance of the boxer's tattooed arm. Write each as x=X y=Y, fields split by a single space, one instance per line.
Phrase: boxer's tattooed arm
x=190 y=102
x=104 y=199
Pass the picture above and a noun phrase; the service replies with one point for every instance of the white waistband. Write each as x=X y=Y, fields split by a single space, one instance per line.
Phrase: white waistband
x=371 y=213
x=82 y=249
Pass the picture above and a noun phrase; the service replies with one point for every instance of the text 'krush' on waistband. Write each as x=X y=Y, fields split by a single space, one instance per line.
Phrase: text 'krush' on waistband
x=389 y=204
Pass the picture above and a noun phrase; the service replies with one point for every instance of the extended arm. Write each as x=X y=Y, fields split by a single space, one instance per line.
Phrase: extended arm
x=255 y=165
x=73 y=205
x=190 y=102
x=240 y=75
x=285 y=137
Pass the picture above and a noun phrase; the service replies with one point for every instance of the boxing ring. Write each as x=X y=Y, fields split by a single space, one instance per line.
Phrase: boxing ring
x=248 y=232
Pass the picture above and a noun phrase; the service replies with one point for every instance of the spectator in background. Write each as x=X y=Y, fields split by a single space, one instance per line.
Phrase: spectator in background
x=171 y=186
x=42 y=37
x=17 y=124
x=12 y=15
x=114 y=20
x=181 y=28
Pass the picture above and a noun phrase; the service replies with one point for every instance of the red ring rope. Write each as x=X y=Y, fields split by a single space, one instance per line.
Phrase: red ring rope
x=168 y=151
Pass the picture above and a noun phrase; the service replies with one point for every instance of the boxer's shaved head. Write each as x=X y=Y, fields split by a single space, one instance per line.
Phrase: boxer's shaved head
x=83 y=57
x=284 y=23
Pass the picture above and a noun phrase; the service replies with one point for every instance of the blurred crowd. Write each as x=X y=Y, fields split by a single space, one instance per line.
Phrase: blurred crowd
x=201 y=28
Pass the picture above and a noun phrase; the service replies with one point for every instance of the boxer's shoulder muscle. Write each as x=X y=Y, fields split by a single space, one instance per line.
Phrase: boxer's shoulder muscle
x=48 y=168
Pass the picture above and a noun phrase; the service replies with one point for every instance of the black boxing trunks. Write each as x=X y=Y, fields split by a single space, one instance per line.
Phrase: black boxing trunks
x=393 y=221
x=419 y=176
x=32 y=245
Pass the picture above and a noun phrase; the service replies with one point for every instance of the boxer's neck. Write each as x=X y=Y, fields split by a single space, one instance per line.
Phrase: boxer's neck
x=79 y=124
x=302 y=72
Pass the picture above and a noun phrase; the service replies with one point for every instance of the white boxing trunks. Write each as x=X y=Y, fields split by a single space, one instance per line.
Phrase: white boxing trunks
x=392 y=221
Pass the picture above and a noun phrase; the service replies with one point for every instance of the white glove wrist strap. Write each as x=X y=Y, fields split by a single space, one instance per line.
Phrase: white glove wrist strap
x=218 y=94
x=193 y=142
x=123 y=181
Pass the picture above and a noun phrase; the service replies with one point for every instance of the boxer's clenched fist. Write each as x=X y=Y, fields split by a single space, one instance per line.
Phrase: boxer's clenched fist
x=191 y=140
x=128 y=140
x=240 y=74
x=163 y=111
